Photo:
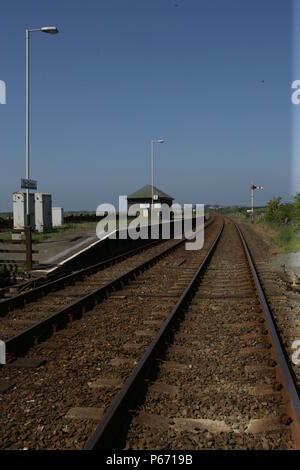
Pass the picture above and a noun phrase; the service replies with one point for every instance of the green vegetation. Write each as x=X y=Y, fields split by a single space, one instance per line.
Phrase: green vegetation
x=66 y=228
x=284 y=218
x=7 y=276
x=279 y=222
x=70 y=227
x=5 y=236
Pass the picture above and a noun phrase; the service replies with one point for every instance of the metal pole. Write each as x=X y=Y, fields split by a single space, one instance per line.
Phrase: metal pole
x=252 y=203
x=27 y=222
x=152 y=143
x=28 y=248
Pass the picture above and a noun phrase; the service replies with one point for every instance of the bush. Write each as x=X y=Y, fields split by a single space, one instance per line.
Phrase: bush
x=272 y=209
x=284 y=213
x=296 y=207
x=280 y=213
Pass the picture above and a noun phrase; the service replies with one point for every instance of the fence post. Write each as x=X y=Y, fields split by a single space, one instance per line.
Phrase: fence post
x=28 y=248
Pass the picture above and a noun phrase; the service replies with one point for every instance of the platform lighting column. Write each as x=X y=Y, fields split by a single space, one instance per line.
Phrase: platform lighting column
x=48 y=30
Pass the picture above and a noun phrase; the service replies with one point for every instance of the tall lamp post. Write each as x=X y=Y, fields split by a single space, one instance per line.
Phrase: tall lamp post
x=48 y=30
x=158 y=141
x=253 y=188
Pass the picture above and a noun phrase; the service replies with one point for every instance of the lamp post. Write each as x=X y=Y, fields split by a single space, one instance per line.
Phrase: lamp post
x=48 y=30
x=158 y=141
x=253 y=188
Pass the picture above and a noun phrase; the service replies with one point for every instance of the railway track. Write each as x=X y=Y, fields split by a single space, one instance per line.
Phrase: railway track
x=52 y=393
x=35 y=314
x=36 y=288
x=215 y=375
x=282 y=294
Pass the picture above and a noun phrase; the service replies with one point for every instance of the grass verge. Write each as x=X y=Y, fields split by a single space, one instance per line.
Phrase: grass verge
x=283 y=237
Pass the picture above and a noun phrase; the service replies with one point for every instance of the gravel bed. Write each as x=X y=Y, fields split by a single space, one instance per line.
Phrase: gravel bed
x=38 y=412
x=218 y=376
x=20 y=318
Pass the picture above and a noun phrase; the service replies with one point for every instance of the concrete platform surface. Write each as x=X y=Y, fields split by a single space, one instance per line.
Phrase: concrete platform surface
x=57 y=250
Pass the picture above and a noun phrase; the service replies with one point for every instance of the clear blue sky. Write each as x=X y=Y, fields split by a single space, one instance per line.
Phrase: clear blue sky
x=212 y=77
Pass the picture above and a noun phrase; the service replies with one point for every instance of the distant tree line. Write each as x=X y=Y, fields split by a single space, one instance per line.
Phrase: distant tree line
x=6 y=223
x=80 y=217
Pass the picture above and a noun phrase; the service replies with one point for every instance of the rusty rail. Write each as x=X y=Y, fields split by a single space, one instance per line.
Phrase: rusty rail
x=43 y=329
x=283 y=371
x=135 y=387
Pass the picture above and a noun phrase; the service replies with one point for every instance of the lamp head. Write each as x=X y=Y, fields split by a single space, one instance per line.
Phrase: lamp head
x=49 y=29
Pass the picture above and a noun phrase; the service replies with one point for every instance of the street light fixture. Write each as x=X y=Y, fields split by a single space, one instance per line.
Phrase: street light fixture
x=157 y=141
x=48 y=30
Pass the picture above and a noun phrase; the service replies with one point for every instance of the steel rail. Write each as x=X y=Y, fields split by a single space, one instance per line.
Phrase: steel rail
x=44 y=328
x=35 y=293
x=283 y=371
x=135 y=385
x=56 y=284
